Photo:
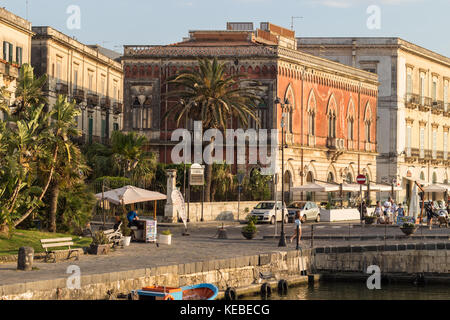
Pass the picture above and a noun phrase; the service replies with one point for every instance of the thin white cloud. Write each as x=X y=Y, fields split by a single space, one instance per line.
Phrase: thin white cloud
x=351 y=3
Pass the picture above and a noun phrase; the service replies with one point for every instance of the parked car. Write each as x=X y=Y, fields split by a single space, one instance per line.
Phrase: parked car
x=308 y=211
x=265 y=212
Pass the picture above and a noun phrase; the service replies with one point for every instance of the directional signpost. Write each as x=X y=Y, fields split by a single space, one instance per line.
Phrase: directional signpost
x=361 y=179
x=197 y=178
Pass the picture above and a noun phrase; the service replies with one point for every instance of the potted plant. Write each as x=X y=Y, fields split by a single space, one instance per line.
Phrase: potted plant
x=370 y=219
x=165 y=237
x=408 y=228
x=126 y=232
x=249 y=231
x=100 y=243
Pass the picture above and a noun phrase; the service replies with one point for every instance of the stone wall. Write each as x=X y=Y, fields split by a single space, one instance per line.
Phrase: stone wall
x=219 y=211
x=392 y=259
x=234 y=272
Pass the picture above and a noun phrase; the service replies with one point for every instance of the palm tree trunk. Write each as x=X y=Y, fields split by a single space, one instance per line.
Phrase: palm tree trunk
x=208 y=178
x=53 y=206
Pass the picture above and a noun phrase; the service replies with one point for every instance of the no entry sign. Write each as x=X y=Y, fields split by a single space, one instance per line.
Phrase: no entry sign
x=361 y=179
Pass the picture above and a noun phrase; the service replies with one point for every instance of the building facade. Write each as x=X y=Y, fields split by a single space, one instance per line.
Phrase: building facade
x=413 y=110
x=15 y=50
x=330 y=128
x=86 y=75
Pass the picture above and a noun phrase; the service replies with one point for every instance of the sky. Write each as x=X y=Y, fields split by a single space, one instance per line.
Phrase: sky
x=113 y=23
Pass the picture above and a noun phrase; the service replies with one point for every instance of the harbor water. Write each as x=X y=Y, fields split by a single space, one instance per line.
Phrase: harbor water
x=359 y=291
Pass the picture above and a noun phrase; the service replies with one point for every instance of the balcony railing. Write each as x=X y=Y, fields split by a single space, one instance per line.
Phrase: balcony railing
x=412 y=100
x=105 y=103
x=311 y=140
x=437 y=107
x=92 y=99
x=62 y=88
x=425 y=103
x=78 y=95
x=118 y=108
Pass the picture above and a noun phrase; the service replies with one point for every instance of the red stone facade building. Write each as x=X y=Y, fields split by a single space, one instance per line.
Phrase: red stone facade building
x=330 y=130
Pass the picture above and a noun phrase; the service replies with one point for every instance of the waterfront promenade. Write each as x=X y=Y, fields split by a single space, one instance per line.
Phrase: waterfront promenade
x=202 y=245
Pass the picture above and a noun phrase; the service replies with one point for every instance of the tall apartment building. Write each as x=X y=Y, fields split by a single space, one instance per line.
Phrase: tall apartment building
x=413 y=109
x=15 y=49
x=89 y=75
x=331 y=125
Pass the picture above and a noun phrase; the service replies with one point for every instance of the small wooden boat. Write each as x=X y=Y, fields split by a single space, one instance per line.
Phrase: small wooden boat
x=203 y=291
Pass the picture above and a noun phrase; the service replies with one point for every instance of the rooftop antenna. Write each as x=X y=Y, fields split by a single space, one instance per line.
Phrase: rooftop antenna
x=292 y=22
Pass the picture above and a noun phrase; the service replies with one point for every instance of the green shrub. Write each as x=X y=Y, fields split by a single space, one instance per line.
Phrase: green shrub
x=100 y=238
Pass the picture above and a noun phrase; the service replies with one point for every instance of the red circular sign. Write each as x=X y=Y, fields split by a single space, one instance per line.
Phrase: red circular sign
x=361 y=179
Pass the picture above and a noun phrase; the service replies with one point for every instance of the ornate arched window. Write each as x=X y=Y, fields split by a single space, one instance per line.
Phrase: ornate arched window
x=330 y=177
x=332 y=115
x=290 y=100
x=311 y=114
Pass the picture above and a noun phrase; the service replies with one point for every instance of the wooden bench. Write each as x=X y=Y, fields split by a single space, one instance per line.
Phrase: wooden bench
x=57 y=243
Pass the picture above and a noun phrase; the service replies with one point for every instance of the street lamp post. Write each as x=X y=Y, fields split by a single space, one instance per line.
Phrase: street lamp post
x=284 y=107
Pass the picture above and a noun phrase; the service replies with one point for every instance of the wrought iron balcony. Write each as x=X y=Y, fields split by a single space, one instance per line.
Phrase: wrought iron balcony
x=92 y=99
x=78 y=95
x=412 y=100
x=105 y=103
x=425 y=104
x=437 y=107
x=62 y=88
x=118 y=108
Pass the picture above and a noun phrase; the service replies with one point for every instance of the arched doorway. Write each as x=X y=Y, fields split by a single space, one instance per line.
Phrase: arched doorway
x=330 y=178
x=349 y=180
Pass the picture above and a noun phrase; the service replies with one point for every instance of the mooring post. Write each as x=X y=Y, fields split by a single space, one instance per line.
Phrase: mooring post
x=312 y=235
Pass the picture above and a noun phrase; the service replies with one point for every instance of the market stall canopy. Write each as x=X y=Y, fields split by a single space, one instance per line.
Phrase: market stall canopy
x=316 y=187
x=437 y=187
x=130 y=194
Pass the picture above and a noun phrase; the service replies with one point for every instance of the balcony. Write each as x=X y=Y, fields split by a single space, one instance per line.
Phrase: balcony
x=92 y=99
x=412 y=100
x=331 y=143
x=62 y=88
x=118 y=108
x=9 y=70
x=437 y=107
x=425 y=104
x=105 y=103
x=78 y=95
x=352 y=145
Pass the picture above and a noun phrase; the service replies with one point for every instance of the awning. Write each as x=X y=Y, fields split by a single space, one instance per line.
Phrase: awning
x=437 y=187
x=383 y=187
x=316 y=187
x=130 y=194
x=353 y=187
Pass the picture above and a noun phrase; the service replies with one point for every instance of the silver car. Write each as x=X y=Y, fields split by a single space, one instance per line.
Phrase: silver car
x=308 y=211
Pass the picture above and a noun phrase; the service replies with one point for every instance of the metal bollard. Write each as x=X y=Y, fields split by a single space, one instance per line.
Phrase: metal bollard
x=312 y=235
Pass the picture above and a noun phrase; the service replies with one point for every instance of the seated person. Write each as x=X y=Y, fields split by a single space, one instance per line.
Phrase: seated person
x=132 y=218
x=117 y=224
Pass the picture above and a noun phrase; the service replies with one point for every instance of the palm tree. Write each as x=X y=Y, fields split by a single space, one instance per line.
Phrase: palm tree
x=210 y=95
x=130 y=157
x=57 y=142
x=28 y=91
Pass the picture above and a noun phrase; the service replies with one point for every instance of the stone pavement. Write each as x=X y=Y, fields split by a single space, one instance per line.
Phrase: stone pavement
x=199 y=246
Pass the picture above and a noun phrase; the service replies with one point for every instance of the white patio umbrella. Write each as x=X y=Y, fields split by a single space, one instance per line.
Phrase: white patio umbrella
x=353 y=187
x=435 y=188
x=130 y=194
x=317 y=187
x=383 y=187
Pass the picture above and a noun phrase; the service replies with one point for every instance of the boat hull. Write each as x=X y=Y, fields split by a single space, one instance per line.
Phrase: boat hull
x=203 y=291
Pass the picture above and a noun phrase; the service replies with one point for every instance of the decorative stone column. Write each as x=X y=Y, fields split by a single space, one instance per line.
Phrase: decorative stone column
x=169 y=210
x=25 y=259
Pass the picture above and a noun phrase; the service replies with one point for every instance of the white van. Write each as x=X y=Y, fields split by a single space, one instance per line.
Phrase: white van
x=265 y=212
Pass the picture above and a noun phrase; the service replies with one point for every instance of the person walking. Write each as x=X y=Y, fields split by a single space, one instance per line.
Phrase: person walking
x=298 y=224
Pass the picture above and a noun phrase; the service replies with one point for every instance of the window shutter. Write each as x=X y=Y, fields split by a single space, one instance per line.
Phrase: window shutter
x=5 y=50
x=10 y=52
